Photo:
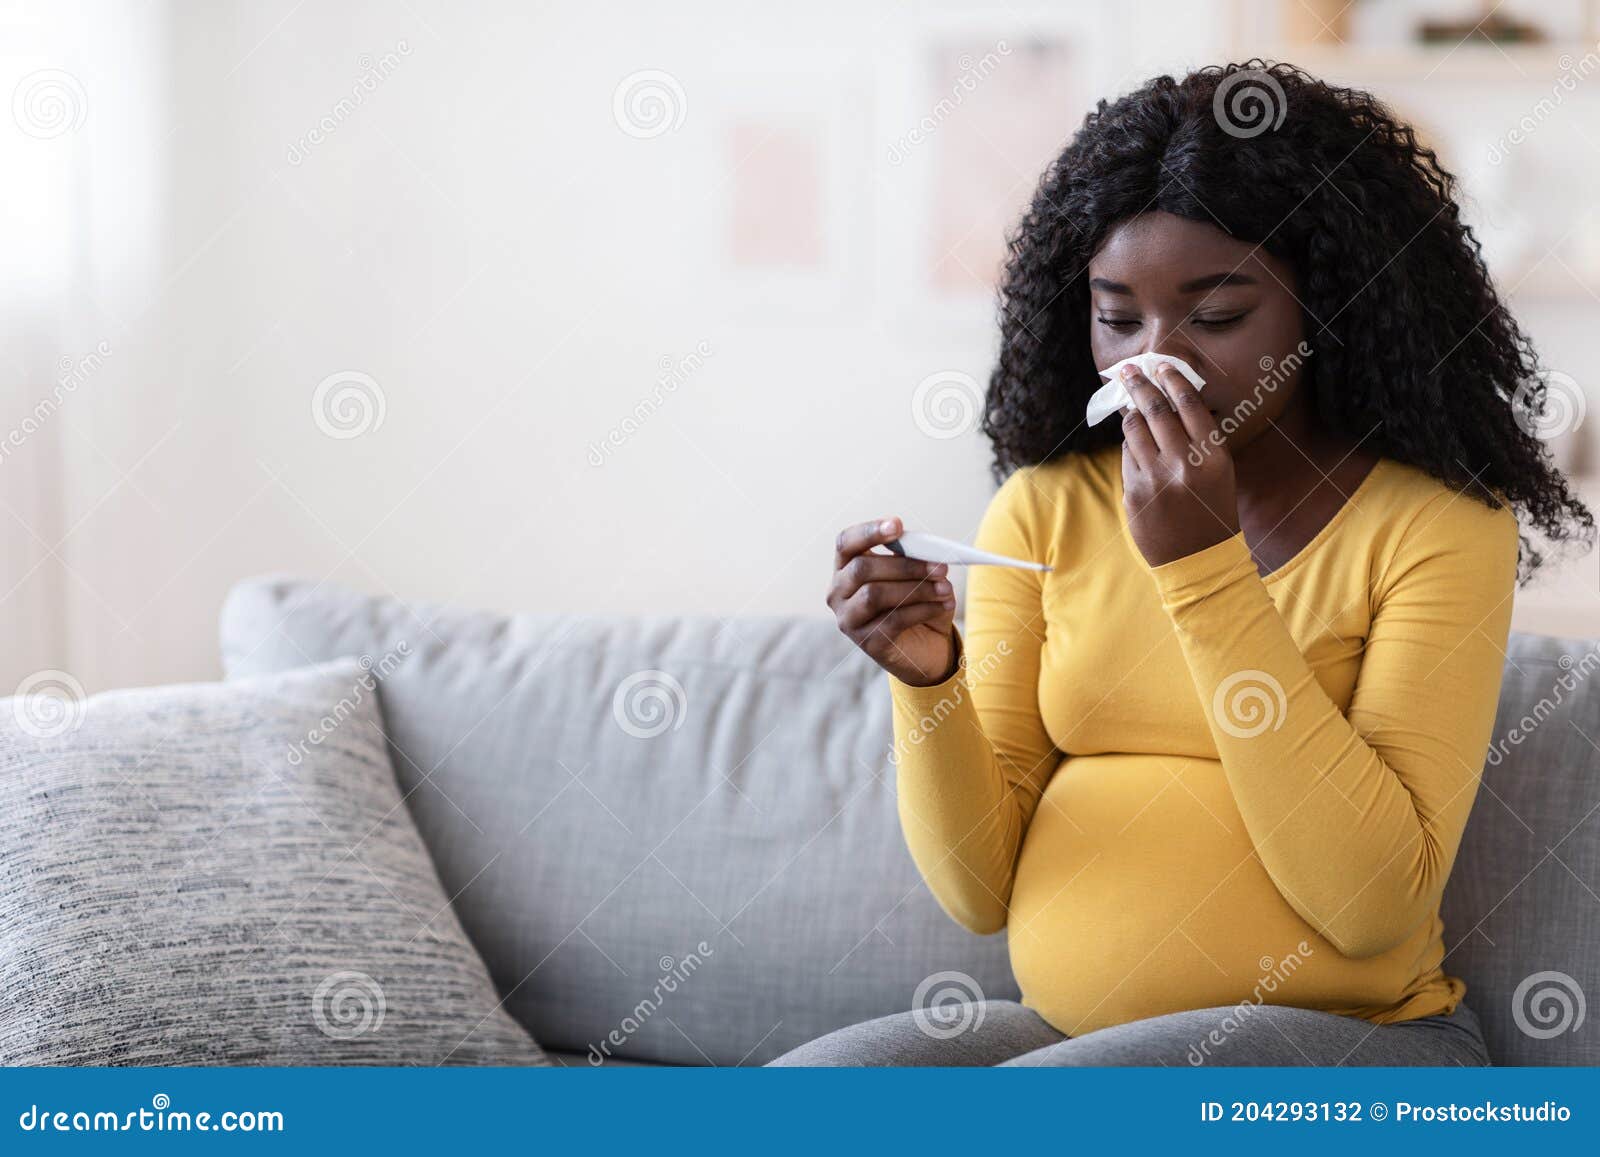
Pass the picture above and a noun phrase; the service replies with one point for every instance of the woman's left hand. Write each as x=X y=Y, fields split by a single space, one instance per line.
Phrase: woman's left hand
x=1177 y=474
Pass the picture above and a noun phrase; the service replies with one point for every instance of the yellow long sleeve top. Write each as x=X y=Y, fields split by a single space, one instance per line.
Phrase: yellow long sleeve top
x=1191 y=786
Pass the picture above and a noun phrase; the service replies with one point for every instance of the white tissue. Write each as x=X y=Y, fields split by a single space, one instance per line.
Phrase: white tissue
x=1112 y=396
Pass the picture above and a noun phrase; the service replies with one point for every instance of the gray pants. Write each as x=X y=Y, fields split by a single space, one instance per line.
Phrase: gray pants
x=1003 y=1032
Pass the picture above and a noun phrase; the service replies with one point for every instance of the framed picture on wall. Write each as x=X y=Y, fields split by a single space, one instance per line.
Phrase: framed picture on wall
x=969 y=118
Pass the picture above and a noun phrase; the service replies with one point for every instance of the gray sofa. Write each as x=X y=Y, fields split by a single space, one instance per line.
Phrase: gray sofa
x=674 y=840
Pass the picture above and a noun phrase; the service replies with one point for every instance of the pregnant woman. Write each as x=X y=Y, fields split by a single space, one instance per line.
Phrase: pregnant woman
x=1210 y=772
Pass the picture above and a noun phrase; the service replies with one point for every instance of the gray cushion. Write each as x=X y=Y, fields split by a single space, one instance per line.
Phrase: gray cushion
x=225 y=874
x=602 y=795
x=1522 y=910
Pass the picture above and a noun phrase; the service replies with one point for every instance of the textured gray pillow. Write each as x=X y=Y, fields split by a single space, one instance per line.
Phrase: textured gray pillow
x=225 y=873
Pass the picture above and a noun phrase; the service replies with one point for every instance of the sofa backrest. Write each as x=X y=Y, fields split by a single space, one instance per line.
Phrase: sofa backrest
x=671 y=839
x=1522 y=909
x=675 y=839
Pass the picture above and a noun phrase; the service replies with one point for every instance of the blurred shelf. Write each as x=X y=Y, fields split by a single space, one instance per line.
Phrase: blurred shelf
x=1549 y=280
x=1536 y=63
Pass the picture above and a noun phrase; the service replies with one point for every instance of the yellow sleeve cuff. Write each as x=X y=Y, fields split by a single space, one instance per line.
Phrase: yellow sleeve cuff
x=1195 y=577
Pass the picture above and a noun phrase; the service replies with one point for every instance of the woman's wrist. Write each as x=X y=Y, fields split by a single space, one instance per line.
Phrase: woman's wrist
x=955 y=655
x=918 y=683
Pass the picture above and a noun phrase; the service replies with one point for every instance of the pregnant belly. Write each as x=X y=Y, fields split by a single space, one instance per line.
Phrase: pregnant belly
x=1138 y=893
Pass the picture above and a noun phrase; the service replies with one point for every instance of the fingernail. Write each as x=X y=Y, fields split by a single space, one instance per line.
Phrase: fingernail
x=941 y=588
x=886 y=526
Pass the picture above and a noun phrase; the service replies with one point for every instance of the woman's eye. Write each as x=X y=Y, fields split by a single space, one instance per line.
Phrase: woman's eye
x=1218 y=322
x=1118 y=323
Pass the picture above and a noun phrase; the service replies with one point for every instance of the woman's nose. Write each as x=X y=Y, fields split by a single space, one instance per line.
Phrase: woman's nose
x=1174 y=346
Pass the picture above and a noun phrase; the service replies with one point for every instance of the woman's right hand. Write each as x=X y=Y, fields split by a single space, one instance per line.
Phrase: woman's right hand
x=900 y=611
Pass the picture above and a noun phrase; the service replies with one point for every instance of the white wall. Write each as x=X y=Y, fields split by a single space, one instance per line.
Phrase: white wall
x=481 y=239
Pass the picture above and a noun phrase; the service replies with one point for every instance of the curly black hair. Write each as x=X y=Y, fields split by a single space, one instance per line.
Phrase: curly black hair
x=1408 y=333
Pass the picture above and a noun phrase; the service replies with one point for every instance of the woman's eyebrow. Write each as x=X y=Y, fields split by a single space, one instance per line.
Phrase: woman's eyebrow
x=1217 y=281
x=1209 y=281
